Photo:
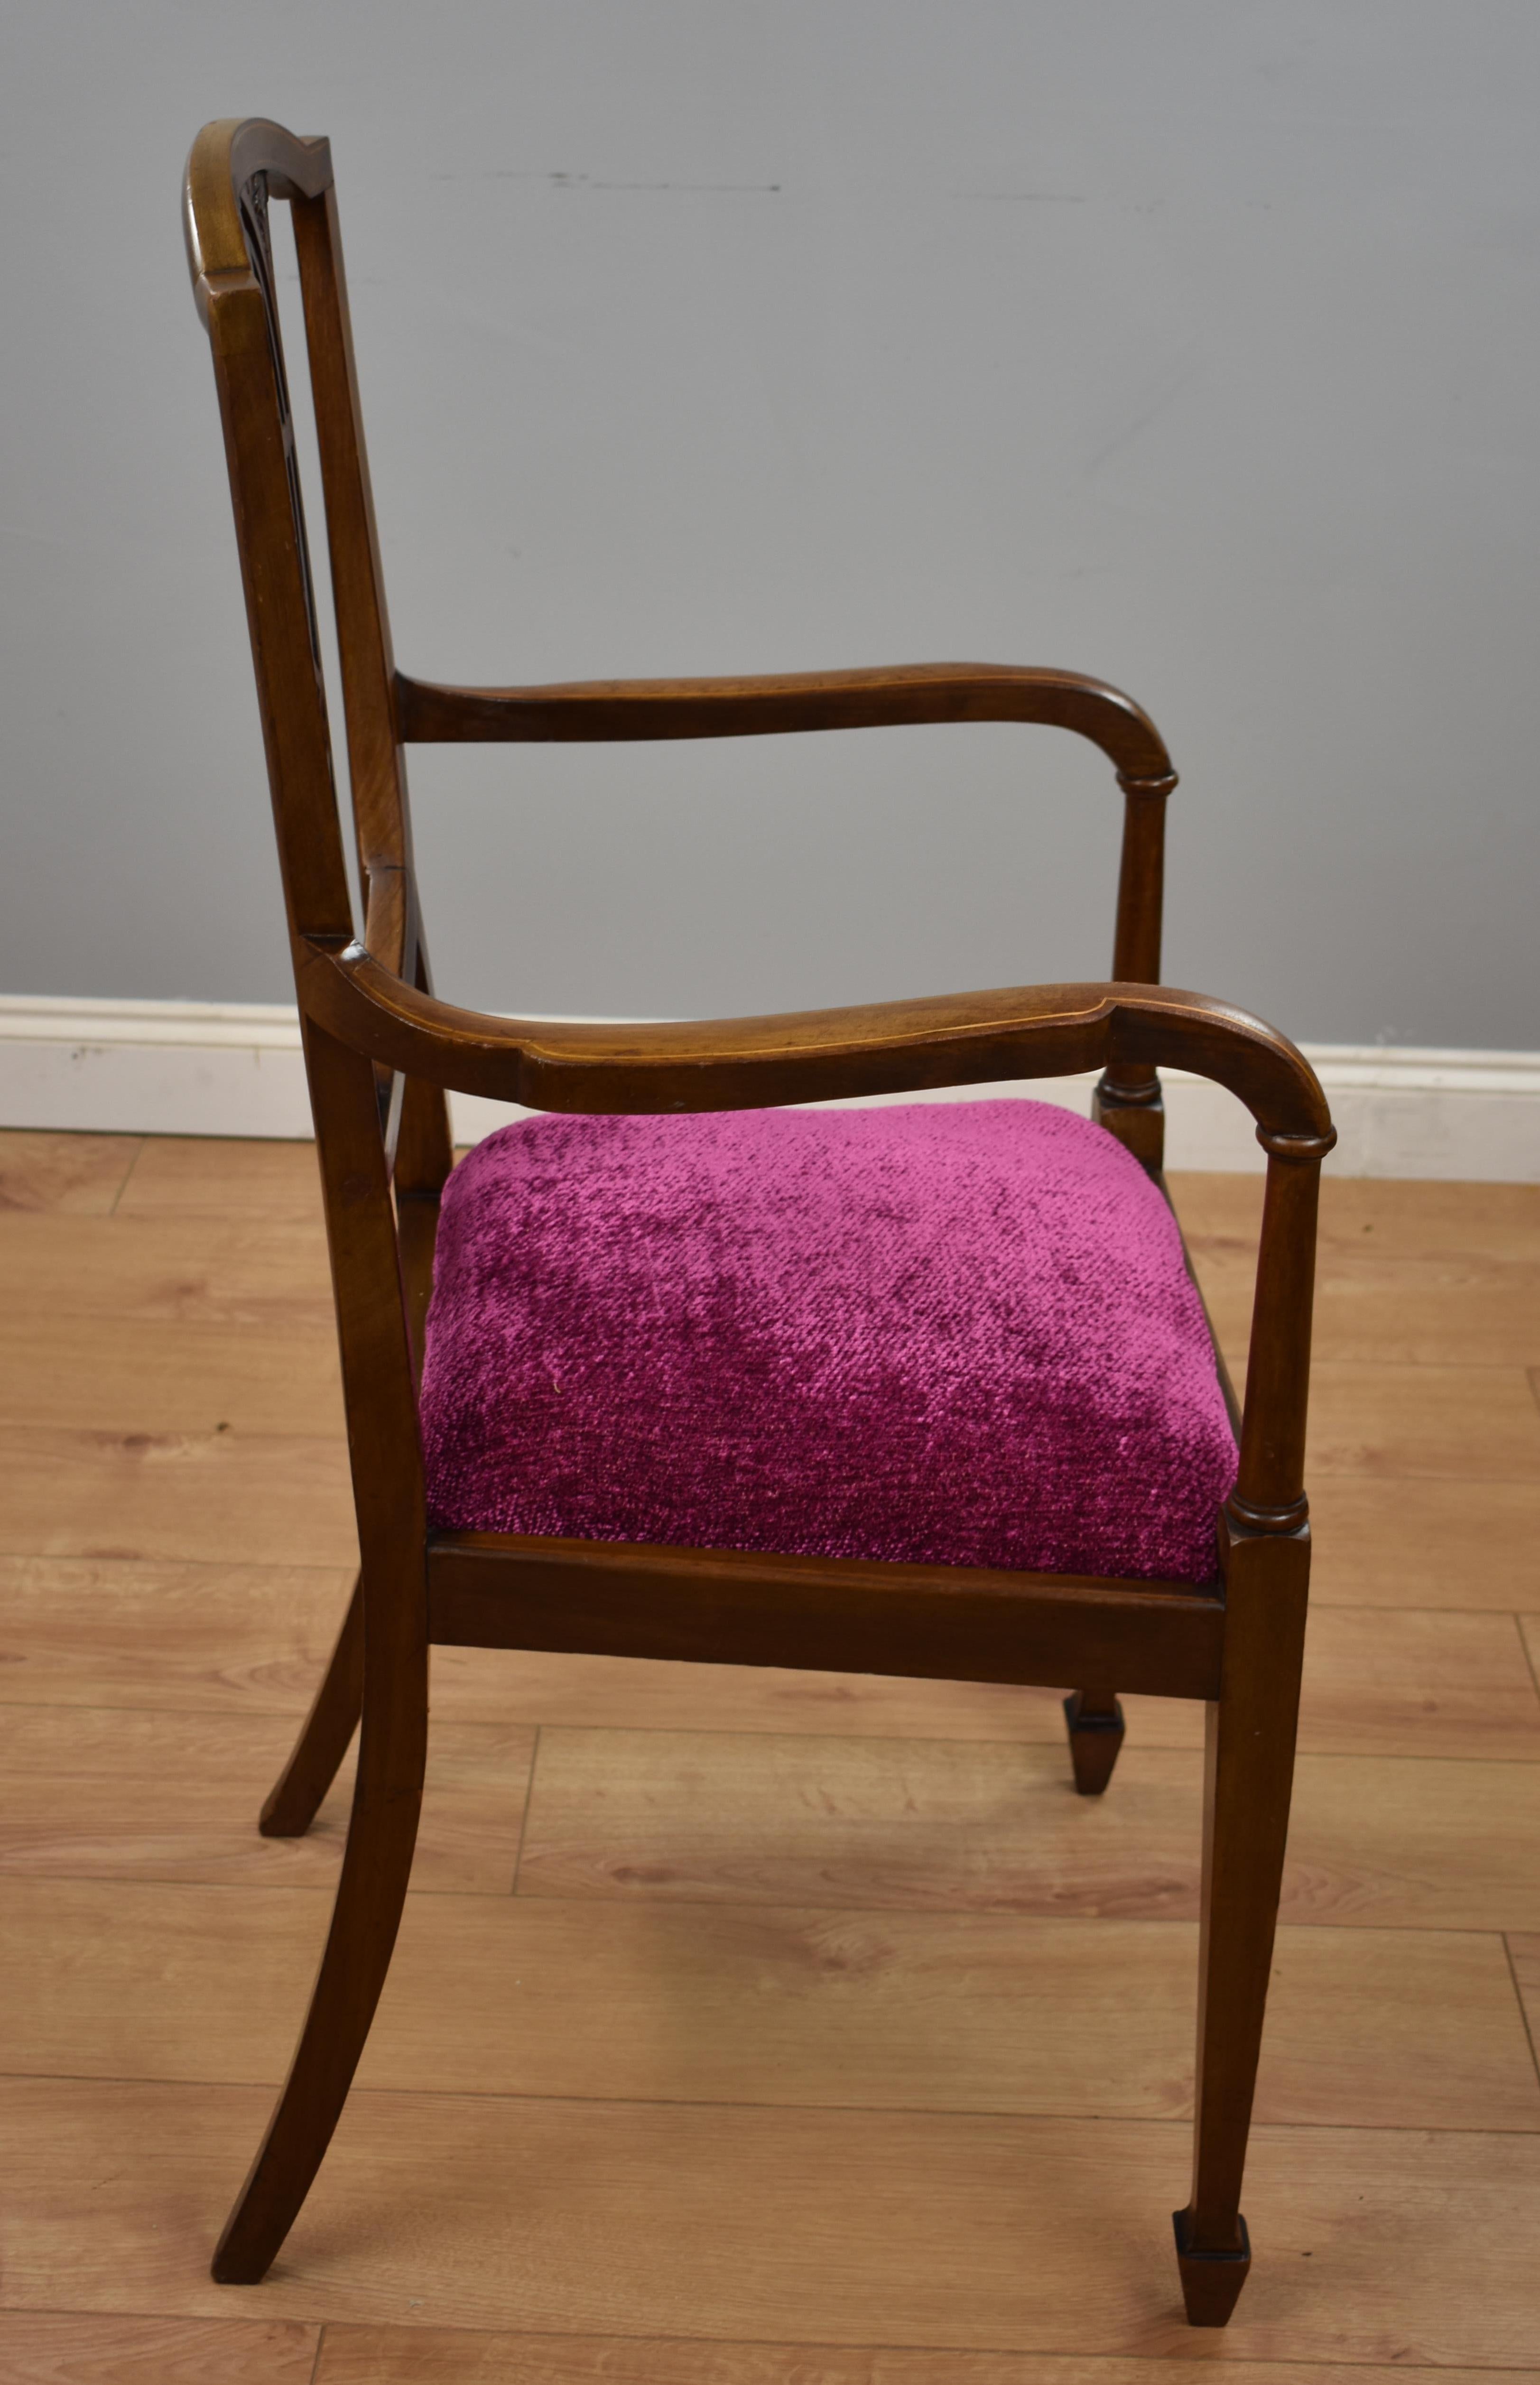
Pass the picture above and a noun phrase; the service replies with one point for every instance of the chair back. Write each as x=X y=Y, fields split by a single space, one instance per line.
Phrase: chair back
x=372 y=1124
x=236 y=169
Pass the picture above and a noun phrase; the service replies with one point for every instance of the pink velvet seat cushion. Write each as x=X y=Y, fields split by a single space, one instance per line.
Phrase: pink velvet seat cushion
x=955 y=1333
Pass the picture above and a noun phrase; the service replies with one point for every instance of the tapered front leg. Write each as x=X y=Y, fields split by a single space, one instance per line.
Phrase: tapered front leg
x=1249 y=1776
x=295 y=1797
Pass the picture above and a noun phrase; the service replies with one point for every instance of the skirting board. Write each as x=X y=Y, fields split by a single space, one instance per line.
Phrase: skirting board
x=235 y=1068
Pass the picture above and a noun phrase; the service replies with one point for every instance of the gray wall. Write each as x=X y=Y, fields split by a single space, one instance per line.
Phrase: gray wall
x=1191 y=344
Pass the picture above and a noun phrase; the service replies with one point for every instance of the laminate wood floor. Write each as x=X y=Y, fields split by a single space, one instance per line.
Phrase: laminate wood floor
x=746 y=2027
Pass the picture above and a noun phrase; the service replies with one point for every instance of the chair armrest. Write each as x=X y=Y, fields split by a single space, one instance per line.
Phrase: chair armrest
x=598 y=710
x=810 y=1056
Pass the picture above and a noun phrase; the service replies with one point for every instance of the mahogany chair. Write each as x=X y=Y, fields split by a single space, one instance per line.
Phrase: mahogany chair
x=381 y=1052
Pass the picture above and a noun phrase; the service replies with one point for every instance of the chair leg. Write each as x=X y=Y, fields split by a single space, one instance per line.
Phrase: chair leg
x=1096 y=1721
x=386 y=1802
x=296 y=1796
x=1249 y=1773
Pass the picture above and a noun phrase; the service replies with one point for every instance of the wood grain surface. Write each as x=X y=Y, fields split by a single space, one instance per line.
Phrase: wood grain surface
x=937 y=1825
x=828 y=2038
x=125 y=1794
x=382 y=2356
x=128 y=1374
x=983 y=2232
x=68 y=1175
x=68 y=2348
x=919 y=2011
x=261 y=1498
x=1403 y=1541
x=276 y=1183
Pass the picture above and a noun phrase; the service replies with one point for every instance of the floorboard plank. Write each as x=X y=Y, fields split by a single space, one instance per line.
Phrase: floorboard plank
x=397 y=2355
x=72 y=1175
x=1395 y=1217
x=114 y=1631
x=1388 y=1842
x=212 y=1498
x=1471 y=1424
x=72 y=2348
x=1463 y=1310
x=711 y=2004
x=1418 y=1682
x=985 y=2233
x=188 y=1175
x=125 y=1794
x=1425 y=1543
x=241 y=1271
x=138 y=1374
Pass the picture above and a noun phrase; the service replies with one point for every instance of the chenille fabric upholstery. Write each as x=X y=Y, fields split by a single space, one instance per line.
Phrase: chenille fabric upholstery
x=957 y=1332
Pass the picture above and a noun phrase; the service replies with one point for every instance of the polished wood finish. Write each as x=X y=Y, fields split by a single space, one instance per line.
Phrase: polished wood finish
x=377 y=1375
x=812 y=1055
x=381 y=1051
x=721 y=1606
x=588 y=711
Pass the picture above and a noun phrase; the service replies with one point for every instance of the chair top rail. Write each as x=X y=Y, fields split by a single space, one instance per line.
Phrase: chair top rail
x=223 y=160
x=1019 y=1032
x=594 y=710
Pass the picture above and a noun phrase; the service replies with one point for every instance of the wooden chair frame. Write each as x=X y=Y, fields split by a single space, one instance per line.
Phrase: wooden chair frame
x=380 y=1050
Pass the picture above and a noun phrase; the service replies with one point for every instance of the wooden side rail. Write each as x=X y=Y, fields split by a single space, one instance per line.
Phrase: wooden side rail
x=838 y=1613
x=591 y=711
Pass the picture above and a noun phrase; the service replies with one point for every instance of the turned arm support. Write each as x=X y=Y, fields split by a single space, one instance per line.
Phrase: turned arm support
x=1269 y=1496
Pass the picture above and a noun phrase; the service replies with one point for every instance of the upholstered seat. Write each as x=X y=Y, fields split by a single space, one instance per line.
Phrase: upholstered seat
x=961 y=1333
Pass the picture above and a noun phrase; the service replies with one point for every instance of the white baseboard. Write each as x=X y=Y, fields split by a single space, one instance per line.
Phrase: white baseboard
x=234 y=1069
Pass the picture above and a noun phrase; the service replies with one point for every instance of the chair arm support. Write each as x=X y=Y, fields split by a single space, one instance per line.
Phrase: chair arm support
x=808 y=1055
x=598 y=710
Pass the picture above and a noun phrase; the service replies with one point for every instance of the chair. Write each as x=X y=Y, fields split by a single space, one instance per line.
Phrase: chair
x=635 y=1107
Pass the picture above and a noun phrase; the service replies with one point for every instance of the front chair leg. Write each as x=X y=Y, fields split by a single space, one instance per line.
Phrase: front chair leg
x=1096 y=1723
x=1249 y=1773
x=295 y=1797
x=387 y=1799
